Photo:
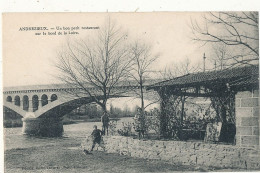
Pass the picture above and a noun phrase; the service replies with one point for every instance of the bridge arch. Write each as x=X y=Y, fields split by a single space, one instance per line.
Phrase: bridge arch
x=44 y=99
x=9 y=99
x=17 y=100
x=15 y=108
x=25 y=103
x=59 y=108
x=54 y=97
x=64 y=105
x=35 y=102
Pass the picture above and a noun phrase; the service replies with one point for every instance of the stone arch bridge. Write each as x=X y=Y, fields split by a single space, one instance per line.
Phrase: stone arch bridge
x=42 y=106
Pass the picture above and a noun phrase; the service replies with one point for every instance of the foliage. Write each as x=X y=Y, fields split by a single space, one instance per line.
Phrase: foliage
x=173 y=117
x=152 y=121
x=88 y=112
x=224 y=105
x=126 y=129
x=118 y=112
x=182 y=123
x=112 y=127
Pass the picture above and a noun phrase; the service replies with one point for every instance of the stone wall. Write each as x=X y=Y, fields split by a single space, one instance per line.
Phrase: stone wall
x=247 y=118
x=186 y=153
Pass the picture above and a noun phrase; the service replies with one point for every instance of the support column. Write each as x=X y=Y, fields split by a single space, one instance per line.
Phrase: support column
x=40 y=103
x=45 y=127
x=13 y=102
x=30 y=109
x=163 y=117
x=21 y=103
x=247 y=119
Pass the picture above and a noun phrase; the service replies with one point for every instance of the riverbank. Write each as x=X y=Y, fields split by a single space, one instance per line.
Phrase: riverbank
x=68 y=157
x=27 y=154
x=67 y=121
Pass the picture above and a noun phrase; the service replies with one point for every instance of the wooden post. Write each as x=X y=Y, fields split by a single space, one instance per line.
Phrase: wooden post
x=182 y=113
x=163 y=117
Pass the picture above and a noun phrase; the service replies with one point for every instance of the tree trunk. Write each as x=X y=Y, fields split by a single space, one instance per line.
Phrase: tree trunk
x=142 y=95
x=104 y=107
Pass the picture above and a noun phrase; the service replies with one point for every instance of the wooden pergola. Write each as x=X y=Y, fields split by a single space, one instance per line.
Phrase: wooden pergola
x=219 y=86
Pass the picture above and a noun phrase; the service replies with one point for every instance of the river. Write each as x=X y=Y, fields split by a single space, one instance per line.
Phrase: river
x=13 y=137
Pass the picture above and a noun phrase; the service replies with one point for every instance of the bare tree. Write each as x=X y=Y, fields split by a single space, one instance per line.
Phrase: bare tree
x=238 y=30
x=99 y=63
x=142 y=59
x=179 y=69
x=221 y=56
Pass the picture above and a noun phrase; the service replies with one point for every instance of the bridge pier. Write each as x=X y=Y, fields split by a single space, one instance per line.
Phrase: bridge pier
x=45 y=127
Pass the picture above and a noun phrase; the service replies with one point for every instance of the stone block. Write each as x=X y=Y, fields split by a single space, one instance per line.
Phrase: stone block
x=253 y=166
x=244 y=94
x=238 y=102
x=249 y=102
x=238 y=164
x=166 y=157
x=241 y=130
x=250 y=140
x=193 y=160
x=169 y=145
x=256 y=93
x=238 y=121
x=256 y=111
x=244 y=112
x=193 y=153
x=256 y=131
x=249 y=121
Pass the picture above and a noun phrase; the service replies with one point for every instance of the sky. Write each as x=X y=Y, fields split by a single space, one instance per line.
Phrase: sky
x=28 y=59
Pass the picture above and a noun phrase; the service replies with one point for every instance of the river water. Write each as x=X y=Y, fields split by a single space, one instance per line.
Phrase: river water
x=13 y=137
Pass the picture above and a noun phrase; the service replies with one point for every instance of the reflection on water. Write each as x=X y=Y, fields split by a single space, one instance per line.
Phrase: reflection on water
x=13 y=137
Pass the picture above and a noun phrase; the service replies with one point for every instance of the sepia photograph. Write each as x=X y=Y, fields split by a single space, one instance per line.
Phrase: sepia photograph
x=131 y=92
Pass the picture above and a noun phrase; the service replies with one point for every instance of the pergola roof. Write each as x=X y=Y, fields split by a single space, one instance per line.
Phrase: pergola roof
x=236 y=77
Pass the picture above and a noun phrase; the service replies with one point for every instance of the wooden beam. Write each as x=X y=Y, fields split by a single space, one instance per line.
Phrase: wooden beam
x=194 y=94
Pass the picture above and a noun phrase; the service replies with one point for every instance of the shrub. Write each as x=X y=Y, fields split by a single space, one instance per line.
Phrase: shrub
x=126 y=129
x=152 y=121
x=112 y=127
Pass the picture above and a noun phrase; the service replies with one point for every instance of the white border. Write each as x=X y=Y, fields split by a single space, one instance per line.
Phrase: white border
x=128 y=6
x=113 y=6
